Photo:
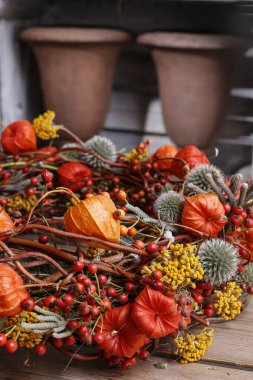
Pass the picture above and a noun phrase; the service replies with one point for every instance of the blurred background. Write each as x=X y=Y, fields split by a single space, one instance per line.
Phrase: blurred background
x=177 y=72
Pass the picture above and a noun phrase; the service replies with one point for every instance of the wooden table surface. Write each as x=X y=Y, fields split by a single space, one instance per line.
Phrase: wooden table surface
x=229 y=357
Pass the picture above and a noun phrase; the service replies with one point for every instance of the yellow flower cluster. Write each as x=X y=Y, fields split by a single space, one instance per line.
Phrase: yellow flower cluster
x=18 y=203
x=44 y=127
x=192 y=348
x=25 y=338
x=135 y=155
x=179 y=265
x=93 y=252
x=227 y=302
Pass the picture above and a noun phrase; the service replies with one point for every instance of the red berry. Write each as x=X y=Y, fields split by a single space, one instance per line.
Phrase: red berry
x=59 y=303
x=68 y=299
x=198 y=298
x=11 y=345
x=144 y=355
x=76 y=289
x=102 y=279
x=248 y=223
x=159 y=285
x=152 y=247
x=30 y=191
x=250 y=289
x=227 y=208
x=94 y=311
x=157 y=274
x=28 y=304
x=236 y=219
x=209 y=311
x=57 y=342
x=49 y=301
x=91 y=289
x=84 y=308
x=89 y=183
x=98 y=338
x=78 y=266
x=73 y=324
x=111 y=292
x=86 y=282
x=92 y=268
x=127 y=364
x=83 y=330
x=15 y=158
x=106 y=304
x=122 y=298
x=158 y=188
x=129 y=287
x=238 y=210
x=3 y=339
x=25 y=169
x=70 y=340
x=34 y=181
x=81 y=277
x=43 y=239
x=40 y=349
x=47 y=176
x=3 y=202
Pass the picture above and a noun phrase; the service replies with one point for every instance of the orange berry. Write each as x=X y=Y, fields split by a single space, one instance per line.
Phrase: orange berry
x=132 y=231
x=119 y=214
x=123 y=230
x=139 y=244
x=121 y=195
x=141 y=193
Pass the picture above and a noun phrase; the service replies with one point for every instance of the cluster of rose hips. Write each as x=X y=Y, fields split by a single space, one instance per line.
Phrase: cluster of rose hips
x=238 y=216
x=123 y=362
x=203 y=290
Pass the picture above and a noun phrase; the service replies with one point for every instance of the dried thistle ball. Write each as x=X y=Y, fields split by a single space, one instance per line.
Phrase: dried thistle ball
x=169 y=206
x=103 y=147
x=197 y=176
x=219 y=260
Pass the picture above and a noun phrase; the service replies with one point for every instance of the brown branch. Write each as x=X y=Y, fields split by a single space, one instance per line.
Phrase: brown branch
x=19 y=265
x=87 y=239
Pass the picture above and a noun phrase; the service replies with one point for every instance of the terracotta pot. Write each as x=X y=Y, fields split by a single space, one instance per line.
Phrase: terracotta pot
x=76 y=67
x=195 y=73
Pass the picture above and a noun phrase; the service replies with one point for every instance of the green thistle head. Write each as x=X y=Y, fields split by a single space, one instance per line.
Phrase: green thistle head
x=197 y=176
x=103 y=147
x=169 y=206
x=219 y=260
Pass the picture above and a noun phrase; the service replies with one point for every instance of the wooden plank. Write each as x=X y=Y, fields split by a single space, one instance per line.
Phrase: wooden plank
x=53 y=364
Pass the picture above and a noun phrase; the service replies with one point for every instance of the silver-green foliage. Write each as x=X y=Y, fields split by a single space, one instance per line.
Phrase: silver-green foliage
x=219 y=260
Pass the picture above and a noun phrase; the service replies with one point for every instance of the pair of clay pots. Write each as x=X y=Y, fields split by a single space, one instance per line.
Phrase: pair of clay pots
x=194 y=73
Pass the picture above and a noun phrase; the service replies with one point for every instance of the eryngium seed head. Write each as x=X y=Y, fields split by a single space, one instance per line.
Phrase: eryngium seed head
x=197 y=176
x=219 y=260
x=169 y=206
x=103 y=147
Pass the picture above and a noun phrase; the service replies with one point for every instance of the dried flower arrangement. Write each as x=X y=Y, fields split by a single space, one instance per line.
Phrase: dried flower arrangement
x=102 y=253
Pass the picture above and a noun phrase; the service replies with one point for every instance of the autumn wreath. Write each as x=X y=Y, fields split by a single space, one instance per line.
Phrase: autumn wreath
x=105 y=252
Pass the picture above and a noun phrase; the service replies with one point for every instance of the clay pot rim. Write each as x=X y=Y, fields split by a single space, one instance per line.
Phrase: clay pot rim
x=178 y=40
x=74 y=35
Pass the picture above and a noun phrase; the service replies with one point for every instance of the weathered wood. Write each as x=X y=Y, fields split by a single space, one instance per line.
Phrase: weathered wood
x=52 y=367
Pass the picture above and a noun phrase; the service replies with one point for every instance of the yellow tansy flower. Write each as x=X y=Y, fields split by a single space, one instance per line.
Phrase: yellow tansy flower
x=44 y=127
